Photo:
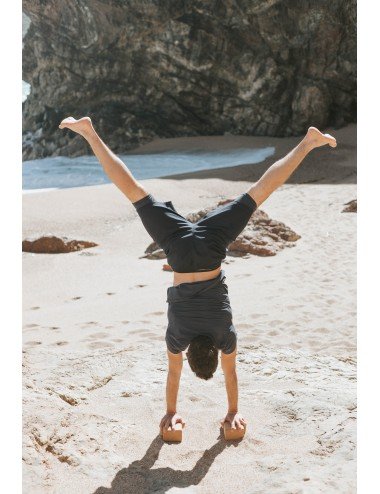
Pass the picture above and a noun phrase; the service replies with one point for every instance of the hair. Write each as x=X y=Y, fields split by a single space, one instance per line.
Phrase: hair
x=202 y=356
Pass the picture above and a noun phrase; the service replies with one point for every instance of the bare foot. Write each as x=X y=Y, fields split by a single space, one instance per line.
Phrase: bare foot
x=315 y=138
x=83 y=126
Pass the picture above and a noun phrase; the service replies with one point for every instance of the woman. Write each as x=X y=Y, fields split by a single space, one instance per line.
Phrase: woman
x=199 y=312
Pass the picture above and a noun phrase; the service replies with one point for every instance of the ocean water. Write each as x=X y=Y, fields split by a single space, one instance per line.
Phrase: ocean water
x=62 y=172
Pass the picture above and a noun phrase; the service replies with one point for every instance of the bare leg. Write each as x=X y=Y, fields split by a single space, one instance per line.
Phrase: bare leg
x=115 y=169
x=281 y=170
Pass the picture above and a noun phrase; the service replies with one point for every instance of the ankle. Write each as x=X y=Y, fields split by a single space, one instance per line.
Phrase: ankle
x=307 y=144
x=90 y=135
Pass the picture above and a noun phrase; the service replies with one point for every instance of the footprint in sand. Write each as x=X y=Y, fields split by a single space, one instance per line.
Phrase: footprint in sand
x=143 y=332
x=98 y=335
x=76 y=298
x=322 y=330
x=117 y=340
x=276 y=322
x=137 y=286
x=61 y=343
x=158 y=338
x=135 y=331
x=256 y=316
x=35 y=308
x=125 y=322
x=110 y=293
x=291 y=324
x=31 y=326
x=54 y=327
x=99 y=344
x=243 y=325
x=158 y=313
x=129 y=394
x=243 y=275
x=33 y=343
x=273 y=333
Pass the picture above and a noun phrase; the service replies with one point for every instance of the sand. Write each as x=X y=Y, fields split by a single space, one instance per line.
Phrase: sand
x=95 y=356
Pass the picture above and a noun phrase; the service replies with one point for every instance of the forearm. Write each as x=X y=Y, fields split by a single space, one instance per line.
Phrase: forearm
x=172 y=387
x=115 y=169
x=231 y=382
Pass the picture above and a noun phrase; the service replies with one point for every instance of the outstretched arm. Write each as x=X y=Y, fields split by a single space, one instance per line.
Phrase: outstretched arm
x=115 y=169
x=228 y=362
x=175 y=361
x=281 y=170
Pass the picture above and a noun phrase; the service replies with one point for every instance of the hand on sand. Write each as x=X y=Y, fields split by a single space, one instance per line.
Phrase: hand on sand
x=315 y=138
x=83 y=126
x=169 y=420
x=236 y=419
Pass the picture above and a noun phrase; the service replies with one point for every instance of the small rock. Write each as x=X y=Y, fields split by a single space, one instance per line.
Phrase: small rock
x=50 y=244
x=351 y=207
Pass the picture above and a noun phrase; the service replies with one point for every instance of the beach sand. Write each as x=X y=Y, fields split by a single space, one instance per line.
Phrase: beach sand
x=94 y=355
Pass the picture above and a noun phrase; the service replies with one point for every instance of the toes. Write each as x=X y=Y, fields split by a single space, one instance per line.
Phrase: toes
x=331 y=140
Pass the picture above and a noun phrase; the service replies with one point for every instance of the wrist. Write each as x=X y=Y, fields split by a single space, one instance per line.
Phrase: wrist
x=232 y=410
x=171 y=411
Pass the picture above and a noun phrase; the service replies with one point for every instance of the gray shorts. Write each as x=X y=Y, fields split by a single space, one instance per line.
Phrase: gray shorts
x=200 y=308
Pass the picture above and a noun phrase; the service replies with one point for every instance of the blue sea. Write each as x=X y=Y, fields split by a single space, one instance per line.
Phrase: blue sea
x=62 y=172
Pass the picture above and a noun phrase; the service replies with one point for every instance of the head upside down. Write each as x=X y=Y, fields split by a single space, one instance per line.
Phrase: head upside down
x=202 y=356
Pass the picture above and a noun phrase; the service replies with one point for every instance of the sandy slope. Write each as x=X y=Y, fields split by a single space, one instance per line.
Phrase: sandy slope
x=94 y=350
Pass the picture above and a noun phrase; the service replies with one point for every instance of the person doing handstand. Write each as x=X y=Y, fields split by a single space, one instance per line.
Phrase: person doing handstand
x=199 y=311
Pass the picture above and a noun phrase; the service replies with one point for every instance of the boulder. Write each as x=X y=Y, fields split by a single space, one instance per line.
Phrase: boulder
x=50 y=244
x=152 y=69
x=262 y=236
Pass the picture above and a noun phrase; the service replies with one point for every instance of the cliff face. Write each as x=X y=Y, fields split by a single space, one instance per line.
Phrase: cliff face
x=144 y=69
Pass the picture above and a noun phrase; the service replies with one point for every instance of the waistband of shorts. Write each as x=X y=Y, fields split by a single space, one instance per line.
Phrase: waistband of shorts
x=143 y=201
x=192 y=288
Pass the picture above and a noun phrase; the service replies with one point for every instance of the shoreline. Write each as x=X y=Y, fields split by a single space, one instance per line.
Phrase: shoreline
x=324 y=165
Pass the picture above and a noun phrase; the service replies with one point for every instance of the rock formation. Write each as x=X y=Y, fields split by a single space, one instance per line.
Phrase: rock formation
x=165 y=69
x=50 y=244
x=350 y=207
x=261 y=237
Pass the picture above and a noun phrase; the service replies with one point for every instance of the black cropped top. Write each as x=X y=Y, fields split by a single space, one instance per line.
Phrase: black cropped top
x=200 y=246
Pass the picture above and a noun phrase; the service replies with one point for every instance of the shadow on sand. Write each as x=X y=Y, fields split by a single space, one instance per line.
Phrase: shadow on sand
x=324 y=165
x=139 y=477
